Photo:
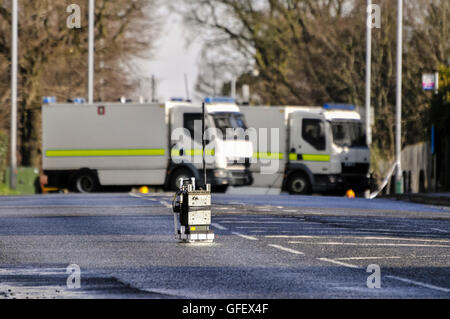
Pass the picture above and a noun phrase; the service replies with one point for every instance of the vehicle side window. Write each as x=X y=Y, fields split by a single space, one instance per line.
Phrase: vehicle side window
x=193 y=122
x=313 y=131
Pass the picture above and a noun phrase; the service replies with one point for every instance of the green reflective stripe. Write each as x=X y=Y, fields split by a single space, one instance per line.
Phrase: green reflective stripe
x=274 y=156
x=105 y=153
x=309 y=157
x=193 y=152
x=316 y=158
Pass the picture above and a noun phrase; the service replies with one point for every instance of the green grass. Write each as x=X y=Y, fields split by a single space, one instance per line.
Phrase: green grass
x=6 y=191
x=25 y=181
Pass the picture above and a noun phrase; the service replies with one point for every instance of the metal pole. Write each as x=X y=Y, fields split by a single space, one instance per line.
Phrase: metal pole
x=153 y=89
x=368 y=74
x=203 y=144
x=91 y=51
x=14 y=65
x=398 y=139
x=186 y=85
x=233 y=88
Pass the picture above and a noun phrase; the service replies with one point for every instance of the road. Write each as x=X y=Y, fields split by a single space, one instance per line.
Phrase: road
x=267 y=246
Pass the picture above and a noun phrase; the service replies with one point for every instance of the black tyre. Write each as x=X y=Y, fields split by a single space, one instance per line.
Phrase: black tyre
x=85 y=182
x=299 y=184
x=181 y=173
x=221 y=189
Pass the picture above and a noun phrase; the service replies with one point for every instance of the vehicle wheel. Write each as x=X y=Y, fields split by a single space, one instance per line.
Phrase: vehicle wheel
x=85 y=182
x=298 y=184
x=221 y=189
x=181 y=173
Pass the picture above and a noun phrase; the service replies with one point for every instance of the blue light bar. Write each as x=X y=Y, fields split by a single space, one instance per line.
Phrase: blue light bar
x=49 y=99
x=343 y=107
x=176 y=99
x=79 y=100
x=220 y=100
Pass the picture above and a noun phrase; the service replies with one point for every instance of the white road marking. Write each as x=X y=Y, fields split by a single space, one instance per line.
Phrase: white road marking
x=167 y=205
x=368 y=258
x=257 y=227
x=293 y=251
x=255 y=222
x=364 y=238
x=289 y=236
x=439 y=230
x=391 y=257
x=244 y=236
x=421 y=284
x=218 y=226
x=134 y=195
x=339 y=263
x=367 y=244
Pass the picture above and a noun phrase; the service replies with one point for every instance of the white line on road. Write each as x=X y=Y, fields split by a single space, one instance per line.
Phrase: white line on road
x=439 y=230
x=367 y=244
x=293 y=251
x=244 y=236
x=362 y=237
x=289 y=236
x=417 y=283
x=256 y=227
x=167 y=205
x=218 y=226
x=390 y=257
x=339 y=263
x=368 y=258
x=255 y=222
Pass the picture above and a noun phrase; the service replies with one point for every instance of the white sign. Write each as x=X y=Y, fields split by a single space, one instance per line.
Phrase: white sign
x=430 y=81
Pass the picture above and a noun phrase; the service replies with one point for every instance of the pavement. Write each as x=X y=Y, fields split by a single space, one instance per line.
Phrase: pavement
x=440 y=199
x=267 y=246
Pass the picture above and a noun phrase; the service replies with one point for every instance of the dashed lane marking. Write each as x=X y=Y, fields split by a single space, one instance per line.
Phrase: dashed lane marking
x=363 y=238
x=367 y=244
x=439 y=230
x=167 y=205
x=293 y=251
x=244 y=236
x=339 y=263
x=391 y=257
x=418 y=283
x=256 y=222
x=218 y=226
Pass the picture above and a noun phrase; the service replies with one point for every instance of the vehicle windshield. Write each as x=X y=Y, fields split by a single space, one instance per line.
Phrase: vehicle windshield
x=224 y=121
x=348 y=133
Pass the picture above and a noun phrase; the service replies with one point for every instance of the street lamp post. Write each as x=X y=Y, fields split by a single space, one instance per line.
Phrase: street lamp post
x=14 y=65
x=91 y=52
x=368 y=73
x=398 y=138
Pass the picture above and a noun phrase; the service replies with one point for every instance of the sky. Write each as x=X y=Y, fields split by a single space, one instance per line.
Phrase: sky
x=174 y=57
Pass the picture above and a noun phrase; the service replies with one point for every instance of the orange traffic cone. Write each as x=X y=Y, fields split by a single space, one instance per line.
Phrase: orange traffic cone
x=143 y=190
x=350 y=194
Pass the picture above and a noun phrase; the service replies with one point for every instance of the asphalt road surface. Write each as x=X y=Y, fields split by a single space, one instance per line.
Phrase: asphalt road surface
x=274 y=246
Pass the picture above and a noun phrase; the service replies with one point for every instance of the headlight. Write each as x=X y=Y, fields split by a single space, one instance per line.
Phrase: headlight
x=220 y=173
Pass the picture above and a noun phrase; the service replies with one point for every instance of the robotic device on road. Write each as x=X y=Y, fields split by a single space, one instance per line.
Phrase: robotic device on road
x=194 y=207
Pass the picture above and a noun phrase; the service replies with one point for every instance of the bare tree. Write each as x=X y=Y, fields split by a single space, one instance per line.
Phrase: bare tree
x=312 y=52
x=53 y=57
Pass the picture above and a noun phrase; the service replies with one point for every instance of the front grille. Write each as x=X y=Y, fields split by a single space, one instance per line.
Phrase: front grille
x=357 y=168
